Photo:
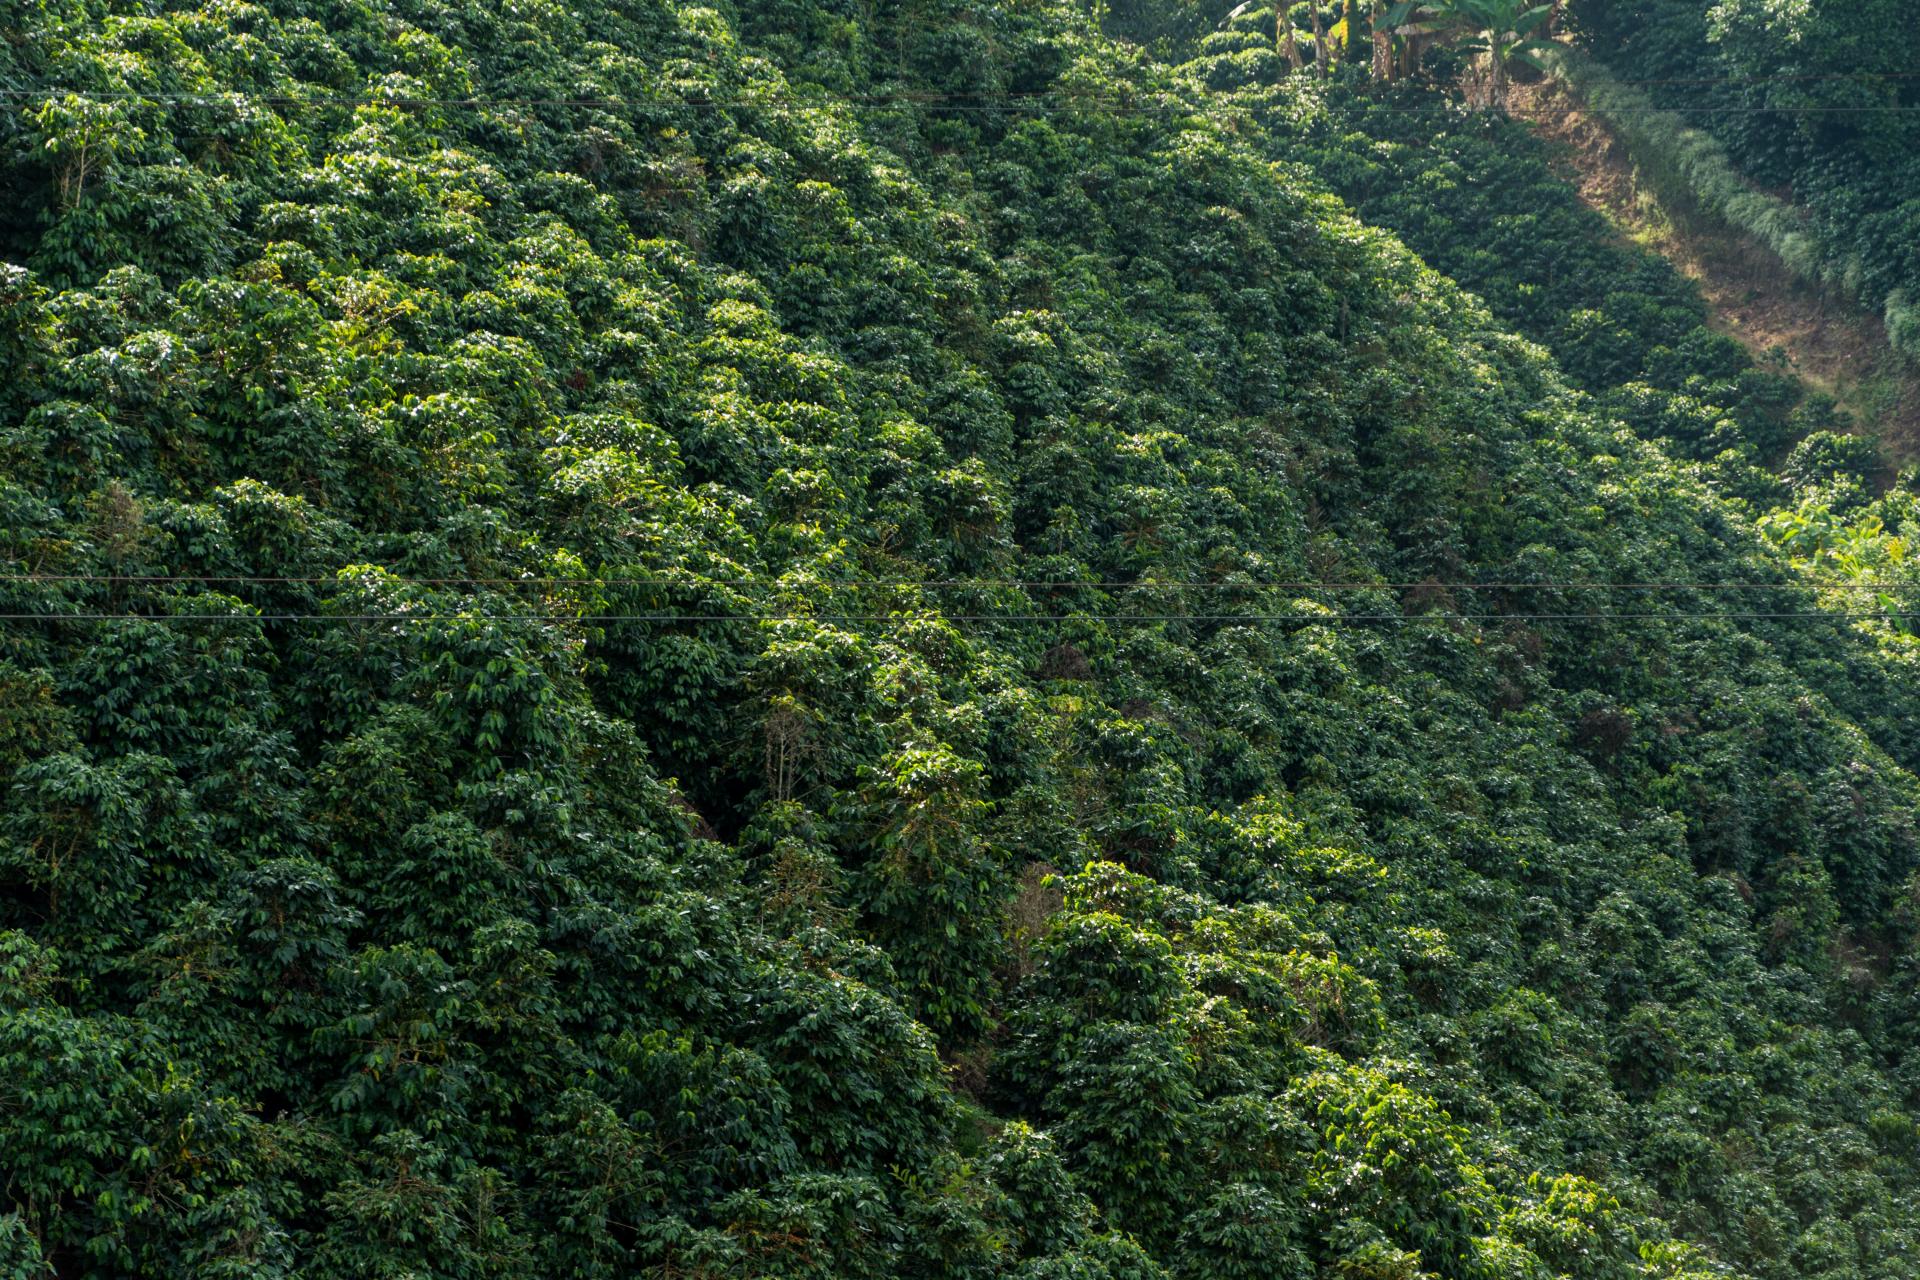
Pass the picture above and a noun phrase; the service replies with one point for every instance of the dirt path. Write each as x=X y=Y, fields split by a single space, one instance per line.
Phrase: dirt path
x=1828 y=343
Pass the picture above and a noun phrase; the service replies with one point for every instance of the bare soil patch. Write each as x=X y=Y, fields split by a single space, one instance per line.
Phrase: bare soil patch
x=1826 y=341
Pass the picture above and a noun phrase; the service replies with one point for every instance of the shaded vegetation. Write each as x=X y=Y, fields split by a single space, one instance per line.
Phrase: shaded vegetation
x=1816 y=102
x=708 y=699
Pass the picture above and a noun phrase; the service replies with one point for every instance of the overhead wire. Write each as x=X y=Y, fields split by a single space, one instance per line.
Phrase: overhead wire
x=345 y=578
x=905 y=617
x=1167 y=101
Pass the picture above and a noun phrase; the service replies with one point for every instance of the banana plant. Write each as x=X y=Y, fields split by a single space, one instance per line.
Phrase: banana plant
x=1382 y=40
x=1502 y=31
x=1283 y=35
x=1407 y=28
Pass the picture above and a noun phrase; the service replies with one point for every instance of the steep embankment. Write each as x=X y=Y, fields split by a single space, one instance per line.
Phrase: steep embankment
x=1799 y=124
x=1752 y=296
x=816 y=642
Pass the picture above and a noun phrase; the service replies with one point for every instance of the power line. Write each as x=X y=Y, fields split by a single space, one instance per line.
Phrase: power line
x=1774 y=78
x=957 y=583
x=907 y=618
x=963 y=584
x=1032 y=103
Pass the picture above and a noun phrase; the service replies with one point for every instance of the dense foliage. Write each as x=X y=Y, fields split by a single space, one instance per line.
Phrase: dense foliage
x=1479 y=198
x=1815 y=100
x=707 y=694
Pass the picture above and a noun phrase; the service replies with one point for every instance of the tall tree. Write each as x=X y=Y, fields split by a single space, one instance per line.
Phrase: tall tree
x=1412 y=25
x=1502 y=31
x=1382 y=41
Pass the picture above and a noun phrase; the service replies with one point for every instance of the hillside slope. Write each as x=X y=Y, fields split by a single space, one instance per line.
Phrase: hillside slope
x=1482 y=199
x=817 y=641
x=1813 y=103
x=1839 y=348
